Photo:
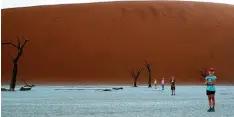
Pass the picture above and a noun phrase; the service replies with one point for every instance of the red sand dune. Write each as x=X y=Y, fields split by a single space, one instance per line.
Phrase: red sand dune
x=101 y=42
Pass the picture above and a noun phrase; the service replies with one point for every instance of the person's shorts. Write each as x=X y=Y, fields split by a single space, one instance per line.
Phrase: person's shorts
x=172 y=87
x=210 y=92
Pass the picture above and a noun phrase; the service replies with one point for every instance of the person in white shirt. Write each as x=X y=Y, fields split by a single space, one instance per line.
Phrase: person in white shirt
x=162 y=83
x=155 y=83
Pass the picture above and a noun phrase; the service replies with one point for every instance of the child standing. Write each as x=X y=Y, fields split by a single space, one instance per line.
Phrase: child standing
x=210 y=89
x=172 y=85
x=162 y=83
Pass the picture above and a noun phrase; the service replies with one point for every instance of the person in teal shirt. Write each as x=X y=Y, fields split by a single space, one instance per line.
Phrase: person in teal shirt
x=210 y=89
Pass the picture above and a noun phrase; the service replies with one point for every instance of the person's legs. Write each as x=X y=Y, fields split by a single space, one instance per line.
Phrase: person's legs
x=162 y=86
x=209 y=101
x=213 y=102
x=172 y=90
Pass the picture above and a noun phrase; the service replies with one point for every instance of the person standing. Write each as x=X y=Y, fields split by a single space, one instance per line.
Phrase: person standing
x=155 y=83
x=210 y=89
x=172 y=85
x=162 y=83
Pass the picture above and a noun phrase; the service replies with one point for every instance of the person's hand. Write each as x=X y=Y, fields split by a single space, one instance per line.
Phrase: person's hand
x=209 y=83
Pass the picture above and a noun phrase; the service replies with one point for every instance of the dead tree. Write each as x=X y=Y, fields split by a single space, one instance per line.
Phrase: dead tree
x=135 y=75
x=203 y=72
x=15 y=60
x=26 y=85
x=147 y=65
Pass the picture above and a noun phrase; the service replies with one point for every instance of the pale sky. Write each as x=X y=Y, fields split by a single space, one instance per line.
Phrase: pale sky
x=24 y=3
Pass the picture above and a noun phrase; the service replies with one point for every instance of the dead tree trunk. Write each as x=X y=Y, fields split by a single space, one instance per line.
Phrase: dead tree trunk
x=135 y=73
x=135 y=81
x=147 y=65
x=14 y=75
x=15 y=60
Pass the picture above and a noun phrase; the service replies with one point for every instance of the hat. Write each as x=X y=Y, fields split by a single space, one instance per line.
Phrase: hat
x=211 y=69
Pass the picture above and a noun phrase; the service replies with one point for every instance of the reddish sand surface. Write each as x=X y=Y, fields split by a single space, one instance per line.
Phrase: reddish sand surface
x=101 y=42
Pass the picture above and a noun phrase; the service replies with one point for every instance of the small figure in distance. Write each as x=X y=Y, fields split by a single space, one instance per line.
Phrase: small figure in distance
x=155 y=83
x=172 y=85
x=162 y=83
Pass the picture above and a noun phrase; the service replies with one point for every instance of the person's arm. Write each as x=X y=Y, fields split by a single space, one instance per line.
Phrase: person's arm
x=214 y=81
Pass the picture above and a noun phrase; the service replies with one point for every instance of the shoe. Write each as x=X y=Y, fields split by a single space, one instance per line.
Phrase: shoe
x=209 y=110
x=212 y=109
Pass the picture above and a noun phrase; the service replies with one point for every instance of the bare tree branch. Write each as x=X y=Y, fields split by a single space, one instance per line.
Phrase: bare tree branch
x=146 y=62
x=203 y=72
x=18 y=39
x=8 y=43
x=24 y=82
x=141 y=70
x=132 y=74
x=25 y=41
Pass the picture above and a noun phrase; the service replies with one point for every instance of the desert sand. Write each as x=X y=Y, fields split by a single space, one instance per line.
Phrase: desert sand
x=189 y=101
x=102 y=42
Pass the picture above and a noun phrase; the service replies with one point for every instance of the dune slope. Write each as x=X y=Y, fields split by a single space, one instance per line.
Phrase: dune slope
x=102 y=42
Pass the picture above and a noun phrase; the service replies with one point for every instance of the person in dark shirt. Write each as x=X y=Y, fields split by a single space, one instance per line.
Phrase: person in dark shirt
x=172 y=85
